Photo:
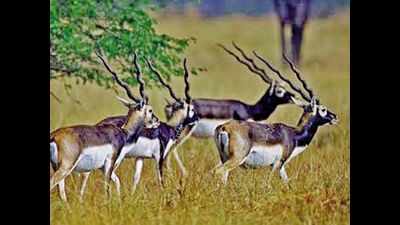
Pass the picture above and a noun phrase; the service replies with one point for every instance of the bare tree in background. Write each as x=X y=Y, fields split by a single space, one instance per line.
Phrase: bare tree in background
x=294 y=13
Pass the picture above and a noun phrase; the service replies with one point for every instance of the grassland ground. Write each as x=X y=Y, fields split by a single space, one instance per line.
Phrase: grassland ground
x=319 y=186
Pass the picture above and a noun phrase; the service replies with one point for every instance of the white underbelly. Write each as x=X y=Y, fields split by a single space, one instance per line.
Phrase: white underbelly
x=143 y=147
x=205 y=127
x=94 y=158
x=261 y=155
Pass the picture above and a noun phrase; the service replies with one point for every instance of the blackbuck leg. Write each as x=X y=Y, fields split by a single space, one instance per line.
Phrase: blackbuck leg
x=85 y=177
x=65 y=168
x=51 y=170
x=61 y=190
x=159 y=168
x=168 y=164
x=228 y=166
x=297 y=38
x=283 y=175
x=275 y=166
x=138 y=172
x=108 y=171
x=217 y=166
x=117 y=183
x=239 y=149
x=180 y=164
x=58 y=176
x=119 y=159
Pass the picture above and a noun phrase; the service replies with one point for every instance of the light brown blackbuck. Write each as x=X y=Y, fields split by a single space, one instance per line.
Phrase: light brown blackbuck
x=253 y=144
x=84 y=148
x=156 y=143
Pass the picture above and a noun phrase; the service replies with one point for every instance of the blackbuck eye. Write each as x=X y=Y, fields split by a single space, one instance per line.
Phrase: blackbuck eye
x=323 y=111
x=280 y=93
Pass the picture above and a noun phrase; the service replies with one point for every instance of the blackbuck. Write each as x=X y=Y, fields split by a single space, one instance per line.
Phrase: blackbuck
x=252 y=144
x=84 y=148
x=295 y=14
x=156 y=143
x=213 y=112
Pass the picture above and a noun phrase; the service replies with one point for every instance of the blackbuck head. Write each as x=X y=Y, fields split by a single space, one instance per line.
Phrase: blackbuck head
x=276 y=93
x=140 y=113
x=180 y=110
x=313 y=111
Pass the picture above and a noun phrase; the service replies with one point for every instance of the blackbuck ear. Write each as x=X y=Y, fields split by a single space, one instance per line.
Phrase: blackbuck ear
x=314 y=101
x=142 y=103
x=314 y=104
x=272 y=88
x=124 y=101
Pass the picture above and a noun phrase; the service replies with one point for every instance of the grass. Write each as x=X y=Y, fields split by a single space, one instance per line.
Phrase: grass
x=319 y=186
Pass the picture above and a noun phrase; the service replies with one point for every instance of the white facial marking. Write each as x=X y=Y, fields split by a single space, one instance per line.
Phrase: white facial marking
x=280 y=92
x=191 y=112
x=94 y=157
x=323 y=111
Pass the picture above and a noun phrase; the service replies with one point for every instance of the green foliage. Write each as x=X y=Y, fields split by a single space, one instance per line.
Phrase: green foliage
x=119 y=28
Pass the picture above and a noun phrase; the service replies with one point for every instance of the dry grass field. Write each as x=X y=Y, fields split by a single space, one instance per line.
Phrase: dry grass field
x=319 y=186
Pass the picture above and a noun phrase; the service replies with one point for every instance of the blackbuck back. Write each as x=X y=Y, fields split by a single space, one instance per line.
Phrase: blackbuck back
x=252 y=144
x=156 y=143
x=84 y=148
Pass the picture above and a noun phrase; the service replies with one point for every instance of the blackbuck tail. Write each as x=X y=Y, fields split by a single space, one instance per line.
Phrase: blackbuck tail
x=53 y=151
x=221 y=137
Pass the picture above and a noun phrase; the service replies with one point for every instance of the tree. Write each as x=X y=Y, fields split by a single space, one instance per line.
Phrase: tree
x=119 y=28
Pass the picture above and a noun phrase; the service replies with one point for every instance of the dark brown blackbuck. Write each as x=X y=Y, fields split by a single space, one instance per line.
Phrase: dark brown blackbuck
x=85 y=148
x=213 y=112
x=156 y=143
x=295 y=14
x=252 y=144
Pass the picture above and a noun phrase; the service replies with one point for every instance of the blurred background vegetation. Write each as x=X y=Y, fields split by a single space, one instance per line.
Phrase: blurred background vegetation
x=215 y=8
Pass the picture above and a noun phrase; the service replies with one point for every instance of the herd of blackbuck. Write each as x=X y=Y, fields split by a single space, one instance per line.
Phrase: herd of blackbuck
x=242 y=139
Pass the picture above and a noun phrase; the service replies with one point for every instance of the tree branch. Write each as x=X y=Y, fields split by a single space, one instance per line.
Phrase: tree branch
x=55 y=97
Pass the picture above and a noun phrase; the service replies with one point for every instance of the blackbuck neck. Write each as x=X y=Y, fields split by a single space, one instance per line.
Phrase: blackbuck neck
x=304 y=136
x=132 y=127
x=176 y=120
x=263 y=108
x=186 y=124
